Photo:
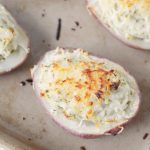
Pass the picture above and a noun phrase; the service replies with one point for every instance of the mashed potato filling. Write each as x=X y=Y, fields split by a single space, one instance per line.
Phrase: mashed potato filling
x=84 y=92
x=129 y=18
x=11 y=35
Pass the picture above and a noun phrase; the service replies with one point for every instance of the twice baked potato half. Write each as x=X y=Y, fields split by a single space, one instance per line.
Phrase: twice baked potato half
x=14 y=43
x=86 y=95
x=128 y=20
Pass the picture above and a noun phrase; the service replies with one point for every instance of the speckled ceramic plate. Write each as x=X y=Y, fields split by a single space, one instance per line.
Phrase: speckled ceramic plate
x=20 y=112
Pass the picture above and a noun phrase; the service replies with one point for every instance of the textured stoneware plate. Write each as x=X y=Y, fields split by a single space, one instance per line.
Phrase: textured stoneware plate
x=20 y=112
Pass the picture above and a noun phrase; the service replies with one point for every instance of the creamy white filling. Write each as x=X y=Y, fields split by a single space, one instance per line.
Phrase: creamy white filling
x=12 y=37
x=128 y=19
x=116 y=108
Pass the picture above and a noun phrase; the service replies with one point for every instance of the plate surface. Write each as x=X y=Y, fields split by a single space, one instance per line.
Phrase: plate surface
x=20 y=111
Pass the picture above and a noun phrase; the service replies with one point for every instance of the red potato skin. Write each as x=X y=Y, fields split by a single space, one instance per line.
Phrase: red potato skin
x=114 y=131
x=15 y=67
x=91 y=11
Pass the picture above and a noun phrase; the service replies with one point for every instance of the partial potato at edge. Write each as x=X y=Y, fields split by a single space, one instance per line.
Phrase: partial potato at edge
x=17 y=58
x=133 y=44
